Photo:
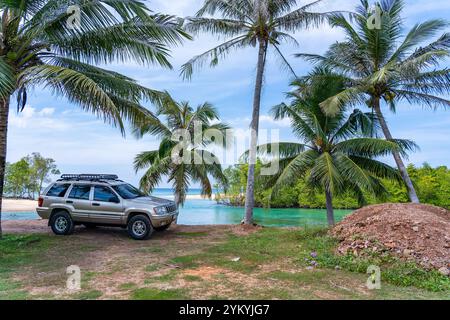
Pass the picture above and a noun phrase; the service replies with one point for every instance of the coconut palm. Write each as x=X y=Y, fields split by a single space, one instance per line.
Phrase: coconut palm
x=185 y=132
x=40 y=47
x=382 y=66
x=338 y=152
x=251 y=23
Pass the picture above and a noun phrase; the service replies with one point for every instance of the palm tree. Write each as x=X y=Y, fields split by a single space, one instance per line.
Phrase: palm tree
x=251 y=23
x=194 y=163
x=380 y=66
x=338 y=153
x=38 y=48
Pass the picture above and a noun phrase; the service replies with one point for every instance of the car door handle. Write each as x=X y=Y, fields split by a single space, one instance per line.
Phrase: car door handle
x=69 y=201
x=96 y=204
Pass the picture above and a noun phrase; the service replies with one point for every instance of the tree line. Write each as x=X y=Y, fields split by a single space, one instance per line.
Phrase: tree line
x=26 y=177
x=432 y=184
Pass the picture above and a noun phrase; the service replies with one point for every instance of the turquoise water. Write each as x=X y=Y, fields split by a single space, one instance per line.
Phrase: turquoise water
x=200 y=212
x=205 y=212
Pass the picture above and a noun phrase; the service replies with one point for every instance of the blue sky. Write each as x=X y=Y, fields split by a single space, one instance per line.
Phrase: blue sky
x=79 y=142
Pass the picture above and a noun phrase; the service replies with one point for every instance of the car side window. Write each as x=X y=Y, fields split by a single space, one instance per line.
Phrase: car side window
x=58 y=190
x=104 y=194
x=80 y=192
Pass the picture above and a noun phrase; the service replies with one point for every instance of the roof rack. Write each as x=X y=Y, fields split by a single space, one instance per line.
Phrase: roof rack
x=89 y=177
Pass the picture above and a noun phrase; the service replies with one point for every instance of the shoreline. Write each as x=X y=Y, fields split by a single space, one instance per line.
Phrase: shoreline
x=25 y=205
x=18 y=205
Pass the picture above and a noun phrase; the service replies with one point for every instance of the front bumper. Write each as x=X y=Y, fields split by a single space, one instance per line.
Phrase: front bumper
x=159 y=221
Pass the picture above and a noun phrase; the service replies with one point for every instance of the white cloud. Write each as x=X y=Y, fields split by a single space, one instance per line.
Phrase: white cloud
x=30 y=117
x=266 y=119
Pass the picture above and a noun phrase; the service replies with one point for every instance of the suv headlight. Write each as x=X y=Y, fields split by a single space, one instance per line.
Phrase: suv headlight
x=160 y=210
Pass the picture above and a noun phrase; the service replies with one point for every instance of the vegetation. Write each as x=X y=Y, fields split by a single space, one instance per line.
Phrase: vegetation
x=261 y=24
x=379 y=66
x=432 y=184
x=274 y=264
x=180 y=156
x=335 y=165
x=39 y=48
x=339 y=152
x=25 y=178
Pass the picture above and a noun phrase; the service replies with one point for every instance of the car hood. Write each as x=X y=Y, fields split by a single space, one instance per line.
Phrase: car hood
x=150 y=201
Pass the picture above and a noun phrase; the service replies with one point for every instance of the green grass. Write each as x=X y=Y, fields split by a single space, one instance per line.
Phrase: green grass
x=279 y=261
x=299 y=277
x=21 y=249
x=127 y=286
x=190 y=261
x=89 y=295
x=270 y=244
x=152 y=267
x=16 y=251
x=258 y=248
x=11 y=290
x=163 y=278
x=157 y=294
x=192 y=278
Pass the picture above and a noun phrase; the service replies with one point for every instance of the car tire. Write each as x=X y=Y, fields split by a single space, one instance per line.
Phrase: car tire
x=162 y=228
x=61 y=223
x=139 y=227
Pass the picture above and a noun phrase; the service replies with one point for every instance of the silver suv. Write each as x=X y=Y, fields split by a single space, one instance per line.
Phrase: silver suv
x=103 y=200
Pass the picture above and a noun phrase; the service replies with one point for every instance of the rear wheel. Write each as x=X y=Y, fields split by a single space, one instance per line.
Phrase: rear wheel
x=62 y=223
x=163 y=228
x=139 y=227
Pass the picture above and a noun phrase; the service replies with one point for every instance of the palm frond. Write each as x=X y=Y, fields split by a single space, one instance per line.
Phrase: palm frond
x=371 y=147
x=77 y=87
x=212 y=55
x=152 y=177
x=419 y=33
x=7 y=79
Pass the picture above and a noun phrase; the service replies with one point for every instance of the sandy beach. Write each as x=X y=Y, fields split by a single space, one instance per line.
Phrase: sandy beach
x=16 y=205
x=22 y=205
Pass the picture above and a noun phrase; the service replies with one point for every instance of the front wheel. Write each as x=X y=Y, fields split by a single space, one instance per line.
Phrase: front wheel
x=62 y=223
x=139 y=227
x=163 y=228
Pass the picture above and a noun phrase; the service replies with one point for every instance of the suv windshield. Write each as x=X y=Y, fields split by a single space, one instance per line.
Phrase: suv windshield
x=127 y=191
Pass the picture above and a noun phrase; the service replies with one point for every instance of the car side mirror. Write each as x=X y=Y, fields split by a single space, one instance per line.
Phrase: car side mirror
x=114 y=200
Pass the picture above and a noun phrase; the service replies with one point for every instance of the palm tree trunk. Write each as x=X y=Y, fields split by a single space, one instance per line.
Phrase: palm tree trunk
x=398 y=160
x=254 y=126
x=4 y=112
x=330 y=211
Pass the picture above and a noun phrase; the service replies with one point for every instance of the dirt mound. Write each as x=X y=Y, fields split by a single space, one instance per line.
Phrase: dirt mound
x=412 y=231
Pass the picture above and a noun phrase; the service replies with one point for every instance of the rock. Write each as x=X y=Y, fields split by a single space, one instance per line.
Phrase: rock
x=236 y=259
x=389 y=244
x=415 y=228
x=444 y=271
x=407 y=252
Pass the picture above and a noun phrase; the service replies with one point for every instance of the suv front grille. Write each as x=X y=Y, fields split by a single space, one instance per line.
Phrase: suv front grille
x=171 y=208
